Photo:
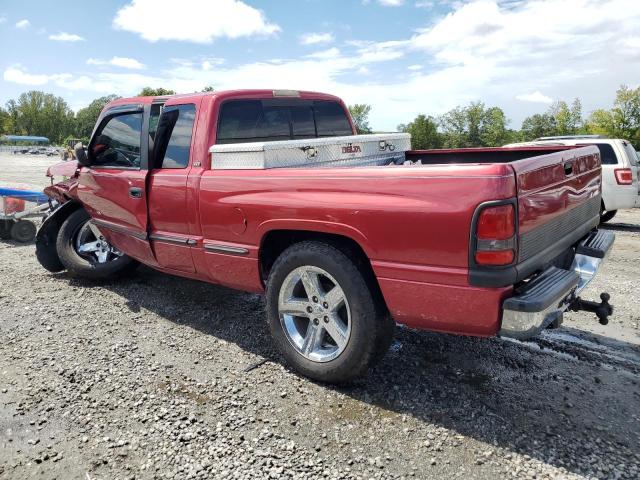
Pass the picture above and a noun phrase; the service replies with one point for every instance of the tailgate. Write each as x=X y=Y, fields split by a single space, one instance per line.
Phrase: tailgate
x=558 y=203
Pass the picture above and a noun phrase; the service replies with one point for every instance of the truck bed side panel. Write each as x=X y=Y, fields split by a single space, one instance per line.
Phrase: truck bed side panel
x=412 y=222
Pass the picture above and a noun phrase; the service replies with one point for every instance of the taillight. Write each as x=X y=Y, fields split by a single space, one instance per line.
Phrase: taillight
x=496 y=235
x=623 y=176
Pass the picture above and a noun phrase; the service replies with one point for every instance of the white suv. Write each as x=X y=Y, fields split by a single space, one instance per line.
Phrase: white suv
x=620 y=186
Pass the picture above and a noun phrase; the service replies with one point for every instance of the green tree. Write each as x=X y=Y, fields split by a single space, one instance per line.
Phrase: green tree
x=5 y=122
x=39 y=113
x=538 y=125
x=360 y=115
x=155 y=92
x=86 y=117
x=568 y=120
x=208 y=88
x=623 y=120
x=474 y=126
x=424 y=133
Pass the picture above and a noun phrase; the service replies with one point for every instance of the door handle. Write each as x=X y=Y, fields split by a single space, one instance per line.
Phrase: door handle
x=568 y=168
x=135 y=192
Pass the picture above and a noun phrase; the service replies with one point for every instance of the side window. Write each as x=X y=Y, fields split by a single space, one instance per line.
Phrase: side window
x=117 y=142
x=173 y=137
x=154 y=116
x=607 y=155
x=331 y=120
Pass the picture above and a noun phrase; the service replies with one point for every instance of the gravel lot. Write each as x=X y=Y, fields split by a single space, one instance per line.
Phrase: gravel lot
x=159 y=377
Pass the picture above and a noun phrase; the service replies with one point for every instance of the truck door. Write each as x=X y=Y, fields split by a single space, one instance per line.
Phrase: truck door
x=113 y=187
x=170 y=211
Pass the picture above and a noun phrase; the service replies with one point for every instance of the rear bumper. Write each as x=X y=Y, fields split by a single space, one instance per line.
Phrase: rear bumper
x=542 y=300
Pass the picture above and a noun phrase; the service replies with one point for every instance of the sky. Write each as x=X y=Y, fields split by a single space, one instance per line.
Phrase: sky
x=403 y=57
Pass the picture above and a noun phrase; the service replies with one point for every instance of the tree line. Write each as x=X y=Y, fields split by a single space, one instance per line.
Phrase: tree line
x=44 y=114
x=473 y=125
x=479 y=125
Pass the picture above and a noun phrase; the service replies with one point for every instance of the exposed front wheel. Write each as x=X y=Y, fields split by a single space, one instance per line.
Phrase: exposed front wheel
x=323 y=315
x=84 y=251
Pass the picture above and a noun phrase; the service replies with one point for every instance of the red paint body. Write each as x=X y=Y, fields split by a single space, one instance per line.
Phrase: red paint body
x=413 y=222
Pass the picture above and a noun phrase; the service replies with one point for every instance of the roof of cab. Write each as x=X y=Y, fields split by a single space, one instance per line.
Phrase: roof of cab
x=226 y=94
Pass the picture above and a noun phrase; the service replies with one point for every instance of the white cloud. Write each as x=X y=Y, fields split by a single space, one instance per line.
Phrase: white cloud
x=316 y=38
x=199 y=21
x=326 y=54
x=17 y=75
x=23 y=23
x=122 y=62
x=415 y=67
x=424 y=4
x=391 y=3
x=3 y=19
x=66 y=37
x=535 y=97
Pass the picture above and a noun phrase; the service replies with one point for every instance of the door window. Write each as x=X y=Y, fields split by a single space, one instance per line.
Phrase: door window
x=173 y=137
x=117 y=142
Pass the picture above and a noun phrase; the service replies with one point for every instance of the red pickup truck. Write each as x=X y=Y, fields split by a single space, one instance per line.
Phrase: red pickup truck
x=471 y=241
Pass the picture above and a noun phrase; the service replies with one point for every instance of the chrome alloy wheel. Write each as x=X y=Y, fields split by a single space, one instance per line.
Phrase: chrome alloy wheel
x=314 y=313
x=91 y=245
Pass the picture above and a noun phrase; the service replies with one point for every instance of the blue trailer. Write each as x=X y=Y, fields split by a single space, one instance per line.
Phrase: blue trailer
x=16 y=207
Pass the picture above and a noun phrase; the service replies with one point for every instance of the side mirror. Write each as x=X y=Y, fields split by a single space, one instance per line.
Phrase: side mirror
x=81 y=154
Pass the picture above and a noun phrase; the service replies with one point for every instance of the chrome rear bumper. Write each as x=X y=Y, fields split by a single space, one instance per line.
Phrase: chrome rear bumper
x=543 y=300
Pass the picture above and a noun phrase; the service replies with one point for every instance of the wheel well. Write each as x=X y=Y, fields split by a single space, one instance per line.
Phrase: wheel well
x=277 y=241
x=46 y=251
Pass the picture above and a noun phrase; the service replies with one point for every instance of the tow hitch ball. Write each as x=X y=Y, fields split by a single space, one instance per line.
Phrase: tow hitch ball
x=602 y=310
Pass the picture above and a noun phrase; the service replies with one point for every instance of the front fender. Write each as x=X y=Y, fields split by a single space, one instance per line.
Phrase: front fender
x=47 y=235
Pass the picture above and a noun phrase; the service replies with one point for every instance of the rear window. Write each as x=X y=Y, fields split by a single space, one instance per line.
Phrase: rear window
x=271 y=120
x=331 y=120
x=631 y=153
x=607 y=155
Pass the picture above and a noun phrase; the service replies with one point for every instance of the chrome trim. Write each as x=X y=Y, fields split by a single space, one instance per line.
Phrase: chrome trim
x=120 y=229
x=217 y=248
x=523 y=325
x=586 y=267
x=173 y=240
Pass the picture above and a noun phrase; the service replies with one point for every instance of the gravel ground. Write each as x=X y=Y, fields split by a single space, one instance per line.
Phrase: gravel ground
x=159 y=377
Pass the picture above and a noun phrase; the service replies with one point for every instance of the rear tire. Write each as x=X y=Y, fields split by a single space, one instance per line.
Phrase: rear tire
x=607 y=215
x=353 y=315
x=86 y=264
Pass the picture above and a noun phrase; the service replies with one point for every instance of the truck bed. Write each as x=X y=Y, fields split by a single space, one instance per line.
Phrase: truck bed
x=480 y=155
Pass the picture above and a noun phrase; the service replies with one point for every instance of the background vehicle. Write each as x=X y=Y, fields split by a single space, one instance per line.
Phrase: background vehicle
x=67 y=152
x=620 y=186
x=470 y=241
x=16 y=207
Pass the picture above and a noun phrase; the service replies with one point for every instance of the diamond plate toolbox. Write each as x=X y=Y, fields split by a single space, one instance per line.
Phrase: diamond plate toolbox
x=354 y=150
